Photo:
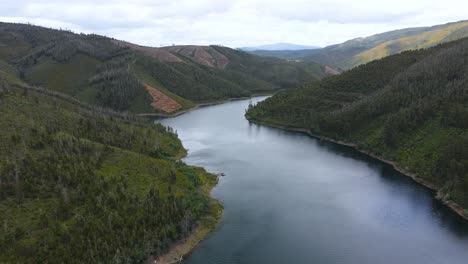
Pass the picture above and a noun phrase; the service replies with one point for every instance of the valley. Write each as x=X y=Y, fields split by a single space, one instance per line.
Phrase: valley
x=113 y=151
x=410 y=109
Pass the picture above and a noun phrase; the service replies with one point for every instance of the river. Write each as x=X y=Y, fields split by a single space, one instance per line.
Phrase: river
x=290 y=198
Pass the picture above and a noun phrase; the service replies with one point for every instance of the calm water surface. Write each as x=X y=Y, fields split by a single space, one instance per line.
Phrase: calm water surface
x=290 y=198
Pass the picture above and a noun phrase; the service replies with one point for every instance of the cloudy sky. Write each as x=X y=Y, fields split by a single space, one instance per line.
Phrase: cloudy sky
x=233 y=23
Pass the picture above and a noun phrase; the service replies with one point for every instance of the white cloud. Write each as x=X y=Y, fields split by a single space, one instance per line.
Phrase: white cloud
x=233 y=23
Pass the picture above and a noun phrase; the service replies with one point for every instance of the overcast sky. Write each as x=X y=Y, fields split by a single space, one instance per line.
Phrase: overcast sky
x=234 y=23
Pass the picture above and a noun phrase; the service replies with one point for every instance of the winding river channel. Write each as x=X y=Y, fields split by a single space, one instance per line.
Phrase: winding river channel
x=290 y=198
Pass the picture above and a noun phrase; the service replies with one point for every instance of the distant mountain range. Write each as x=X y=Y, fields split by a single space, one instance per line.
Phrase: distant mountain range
x=362 y=50
x=280 y=46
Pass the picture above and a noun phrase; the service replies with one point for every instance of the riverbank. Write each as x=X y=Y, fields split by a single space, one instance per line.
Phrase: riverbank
x=184 y=247
x=439 y=194
x=204 y=227
x=199 y=105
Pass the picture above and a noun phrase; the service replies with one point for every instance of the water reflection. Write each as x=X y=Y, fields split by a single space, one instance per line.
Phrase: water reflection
x=290 y=198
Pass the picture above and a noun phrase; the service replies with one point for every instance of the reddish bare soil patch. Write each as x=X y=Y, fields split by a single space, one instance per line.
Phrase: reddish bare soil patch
x=161 y=101
x=159 y=54
x=331 y=71
x=204 y=55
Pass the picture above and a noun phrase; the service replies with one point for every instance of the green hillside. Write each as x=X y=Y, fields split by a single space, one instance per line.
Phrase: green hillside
x=411 y=108
x=82 y=184
x=284 y=54
x=362 y=50
x=111 y=73
x=210 y=73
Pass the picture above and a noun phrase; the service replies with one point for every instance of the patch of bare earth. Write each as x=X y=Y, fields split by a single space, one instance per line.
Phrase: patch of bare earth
x=161 y=101
x=159 y=54
x=204 y=55
x=181 y=248
x=331 y=71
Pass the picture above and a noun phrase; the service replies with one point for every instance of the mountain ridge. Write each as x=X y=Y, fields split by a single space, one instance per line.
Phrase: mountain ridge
x=357 y=51
x=279 y=46
x=113 y=73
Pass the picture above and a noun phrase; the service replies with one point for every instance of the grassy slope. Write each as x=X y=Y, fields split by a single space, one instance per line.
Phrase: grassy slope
x=362 y=50
x=71 y=175
x=418 y=41
x=70 y=77
x=410 y=108
x=8 y=71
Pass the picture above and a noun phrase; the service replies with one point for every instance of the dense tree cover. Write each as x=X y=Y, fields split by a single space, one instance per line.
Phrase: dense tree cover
x=117 y=87
x=106 y=72
x=411 y=108
x=82 y=184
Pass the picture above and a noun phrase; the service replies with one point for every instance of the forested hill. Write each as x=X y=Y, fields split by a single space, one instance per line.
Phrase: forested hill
x=411 y=108
x=362 y=50
x=127 y=77
x=82 y=184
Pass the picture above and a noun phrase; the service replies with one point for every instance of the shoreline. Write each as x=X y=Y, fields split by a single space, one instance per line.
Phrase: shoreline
x=207 y=223
x=439 y=195
x=185 y=246
x=200 y=105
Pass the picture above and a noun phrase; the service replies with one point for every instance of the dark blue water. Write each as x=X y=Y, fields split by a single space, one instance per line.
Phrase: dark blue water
x=289 y=198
